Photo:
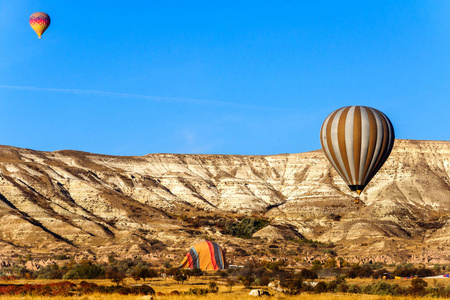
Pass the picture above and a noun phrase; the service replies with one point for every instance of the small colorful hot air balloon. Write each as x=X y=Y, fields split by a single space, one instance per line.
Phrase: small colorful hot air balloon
x=39 y=21
x=205 y=255
x=357 y=140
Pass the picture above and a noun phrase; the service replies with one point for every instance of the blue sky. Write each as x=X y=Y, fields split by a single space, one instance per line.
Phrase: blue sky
x=218 y=77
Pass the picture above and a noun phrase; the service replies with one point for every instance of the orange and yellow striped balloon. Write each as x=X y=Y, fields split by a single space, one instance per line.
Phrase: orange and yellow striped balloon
x=205 y=255
x=39 y=21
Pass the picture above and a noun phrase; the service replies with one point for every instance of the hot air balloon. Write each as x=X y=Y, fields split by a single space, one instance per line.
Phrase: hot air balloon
x=205 y=255
x=357 y=140
x=39 y=21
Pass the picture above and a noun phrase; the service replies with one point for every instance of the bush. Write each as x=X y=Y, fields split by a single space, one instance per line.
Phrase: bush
x=115 y=275
x=330 y=263
x=292 y=283
x=381 y=288
x=316 y=265
x=143 y=290
x=87 y=287
x=343 y=287
x=360 y=271
x=365 y=272
x=220 y=273
x=424 y=272
x=264 y=279
x=321 y=287
x=308 y=274
x=247 y=281
x=213 y=288
x=397 y=290
x=245 y=228
x=351 y=273
x=418 y=286
x=61 y=257
x=50 y=272
x=354 y=289
x=197 y=291
x=332 y=286
x=366 y=289
x=143 y=273
x=85 y=270
x=446 y=292
x=409 y=271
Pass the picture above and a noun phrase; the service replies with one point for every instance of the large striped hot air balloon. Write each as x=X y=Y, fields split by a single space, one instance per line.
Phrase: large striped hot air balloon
x=39 y=21
x=205 y=255
x=357 y=140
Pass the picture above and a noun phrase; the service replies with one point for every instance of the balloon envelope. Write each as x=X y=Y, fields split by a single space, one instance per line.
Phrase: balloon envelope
x=357 y=140
x=39 y=21
x=205 y=255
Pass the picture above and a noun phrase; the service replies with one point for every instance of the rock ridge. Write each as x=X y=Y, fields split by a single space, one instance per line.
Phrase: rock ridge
x=79 y=202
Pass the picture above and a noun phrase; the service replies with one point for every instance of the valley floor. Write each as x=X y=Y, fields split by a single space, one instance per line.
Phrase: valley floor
x=163 y=287
x=219 y=296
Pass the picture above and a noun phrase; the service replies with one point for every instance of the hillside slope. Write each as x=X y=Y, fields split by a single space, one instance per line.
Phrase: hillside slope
x=95 y=205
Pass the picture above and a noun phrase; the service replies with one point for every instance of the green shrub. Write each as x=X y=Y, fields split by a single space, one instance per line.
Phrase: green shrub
x=409 y=271
x=397 y=290
x=245 y=228
x=212 y=286
x=321 y=287
x=446 y=292
x=424 y=272
x=432 y=292
x=85 y=271
x=61 y=257
x=316 y=265
x=308 y=274
x=381 y=288
x=404 y=271
x=196 y=272
x=115 y=275
x=366 y=289
x=364 y=271
x=332 y=286
x=197 y=291
x=143 y=273
x=418 y=286
x=264 y=279
x=50 y=272
x=354 y=289
x=292 y=283
x=142 y=290
x=87 y=287
x=343 y=287
x=247 y=281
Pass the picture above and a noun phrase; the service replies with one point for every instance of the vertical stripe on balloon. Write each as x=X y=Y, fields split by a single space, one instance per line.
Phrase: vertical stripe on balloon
x=218 y=256
x=349 y=143
x=212 y=257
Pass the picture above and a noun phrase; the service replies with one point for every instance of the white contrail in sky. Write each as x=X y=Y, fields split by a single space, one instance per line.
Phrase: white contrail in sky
x=132 y=96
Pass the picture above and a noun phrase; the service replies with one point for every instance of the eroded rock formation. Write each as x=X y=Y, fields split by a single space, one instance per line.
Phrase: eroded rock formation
x=76 y=202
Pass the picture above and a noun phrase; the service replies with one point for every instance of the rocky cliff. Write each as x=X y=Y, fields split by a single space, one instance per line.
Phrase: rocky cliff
x=96 y=205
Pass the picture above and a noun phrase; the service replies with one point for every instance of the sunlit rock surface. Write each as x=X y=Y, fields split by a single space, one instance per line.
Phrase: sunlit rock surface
x=76 y=202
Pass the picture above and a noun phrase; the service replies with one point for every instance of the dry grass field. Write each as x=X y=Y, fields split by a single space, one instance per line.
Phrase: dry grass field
x=219 y=296
x=166 y=286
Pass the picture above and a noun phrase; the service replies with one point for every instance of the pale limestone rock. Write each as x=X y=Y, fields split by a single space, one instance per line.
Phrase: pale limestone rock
x=75 y=201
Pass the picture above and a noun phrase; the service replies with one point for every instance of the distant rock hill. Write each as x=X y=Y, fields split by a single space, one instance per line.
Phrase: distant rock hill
x=157 y=205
